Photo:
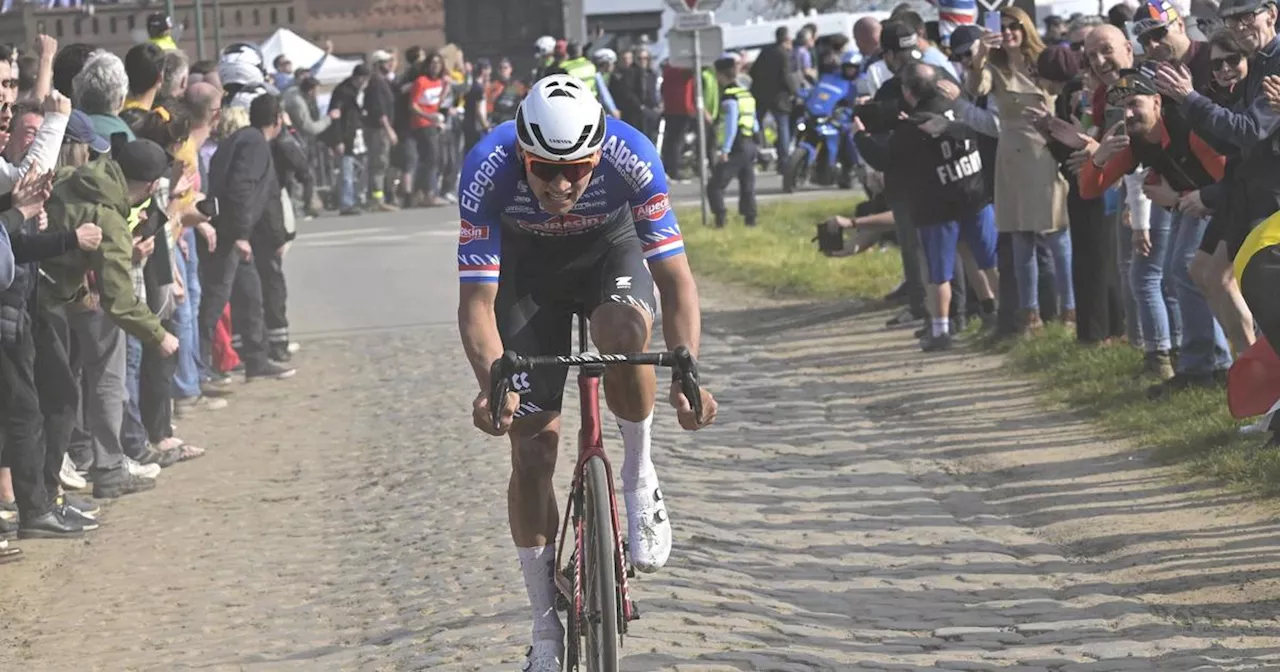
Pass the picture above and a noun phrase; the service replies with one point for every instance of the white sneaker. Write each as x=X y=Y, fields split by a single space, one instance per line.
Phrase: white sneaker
x=648 y=529
x=68 y=476
x=141 y=470
x=1263 y=423
x=544 y=656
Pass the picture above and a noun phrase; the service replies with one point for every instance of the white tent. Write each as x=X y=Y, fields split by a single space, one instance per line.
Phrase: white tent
x=304 y=54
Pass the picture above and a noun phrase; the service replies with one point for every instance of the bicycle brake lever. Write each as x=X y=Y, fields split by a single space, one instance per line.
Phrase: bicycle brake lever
x=499 y=385
x=688 y=371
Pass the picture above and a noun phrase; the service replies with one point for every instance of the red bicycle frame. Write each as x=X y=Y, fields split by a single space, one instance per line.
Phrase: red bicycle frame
x=591 y=444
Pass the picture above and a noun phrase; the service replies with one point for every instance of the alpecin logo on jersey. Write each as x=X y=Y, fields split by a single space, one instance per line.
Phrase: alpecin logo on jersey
x=652 y=210
x=638 y=174
x=482 y=180
x=568 y=224
x=469 y=233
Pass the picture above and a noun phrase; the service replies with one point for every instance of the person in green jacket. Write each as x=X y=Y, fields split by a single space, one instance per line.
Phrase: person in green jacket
x=96 y=290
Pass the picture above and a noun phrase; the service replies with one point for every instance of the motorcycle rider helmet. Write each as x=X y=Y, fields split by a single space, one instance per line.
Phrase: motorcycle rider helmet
x=850 y=64
x=560 y=120
x=544 y=46
x=158 y=24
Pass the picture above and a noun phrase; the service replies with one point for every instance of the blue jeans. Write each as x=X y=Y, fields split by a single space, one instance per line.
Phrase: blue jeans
x=1124 y=264
x=186 y=377
x=1158 y=307
x=1028 y=273
x=1204 y=346
x=133 y=436
x=347 y=197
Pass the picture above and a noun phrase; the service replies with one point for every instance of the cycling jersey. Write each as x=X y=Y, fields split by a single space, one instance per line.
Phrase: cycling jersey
x=627 y=190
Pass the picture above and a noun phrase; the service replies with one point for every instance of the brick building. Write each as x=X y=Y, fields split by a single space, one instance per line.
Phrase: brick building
x=356 y=27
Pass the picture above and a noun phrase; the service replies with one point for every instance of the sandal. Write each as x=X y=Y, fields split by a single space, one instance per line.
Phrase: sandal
x=9 y=554
x=178 y=451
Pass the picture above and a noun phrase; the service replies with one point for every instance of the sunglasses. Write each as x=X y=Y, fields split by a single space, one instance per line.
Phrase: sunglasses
x=549 y=170
x=1154 y=35
x=1241 y=20
x=1011 y=27
x=1232 y=61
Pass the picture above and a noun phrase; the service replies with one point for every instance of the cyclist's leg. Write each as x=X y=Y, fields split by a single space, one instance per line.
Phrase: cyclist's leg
x=530 y=329
x=622 y=321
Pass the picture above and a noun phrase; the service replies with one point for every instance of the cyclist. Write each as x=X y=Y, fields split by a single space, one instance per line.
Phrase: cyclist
x=561 y=208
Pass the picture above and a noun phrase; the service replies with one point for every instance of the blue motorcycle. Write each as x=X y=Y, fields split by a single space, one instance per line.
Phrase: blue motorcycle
x=824 y=134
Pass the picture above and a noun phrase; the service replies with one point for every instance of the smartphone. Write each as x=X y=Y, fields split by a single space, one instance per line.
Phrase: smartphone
x=208 y=207
x=992 y=22
x=1114 y=115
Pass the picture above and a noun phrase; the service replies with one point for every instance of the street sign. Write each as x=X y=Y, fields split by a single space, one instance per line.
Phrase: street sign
x=680 y=45
x=686 y=6
x=695 y=20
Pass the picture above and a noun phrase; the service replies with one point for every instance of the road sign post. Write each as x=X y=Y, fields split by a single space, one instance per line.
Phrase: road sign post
x=696 y=23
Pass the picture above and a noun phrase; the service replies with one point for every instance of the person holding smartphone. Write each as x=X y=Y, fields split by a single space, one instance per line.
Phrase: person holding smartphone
x=1179 y=162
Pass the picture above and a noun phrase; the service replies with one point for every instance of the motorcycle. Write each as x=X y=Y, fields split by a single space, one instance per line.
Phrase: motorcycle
x=823 y=153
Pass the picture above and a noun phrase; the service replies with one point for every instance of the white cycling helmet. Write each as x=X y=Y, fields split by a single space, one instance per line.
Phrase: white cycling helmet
x=560 y=120
x=545 y=45
x=605 y=56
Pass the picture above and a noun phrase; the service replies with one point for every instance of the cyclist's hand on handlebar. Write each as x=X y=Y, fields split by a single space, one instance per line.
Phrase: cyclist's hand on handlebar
x=483 y=420
x=684 y=412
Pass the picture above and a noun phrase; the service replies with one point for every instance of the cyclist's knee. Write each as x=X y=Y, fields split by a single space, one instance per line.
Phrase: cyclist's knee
x=620 y=327
x=534 y=444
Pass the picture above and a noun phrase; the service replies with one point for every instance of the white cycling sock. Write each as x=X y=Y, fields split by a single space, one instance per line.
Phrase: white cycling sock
x=637 y=463
x=539 y=567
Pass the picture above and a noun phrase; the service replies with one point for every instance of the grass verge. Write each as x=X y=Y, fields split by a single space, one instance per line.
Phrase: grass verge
x=778 y=258
x=1192 y=427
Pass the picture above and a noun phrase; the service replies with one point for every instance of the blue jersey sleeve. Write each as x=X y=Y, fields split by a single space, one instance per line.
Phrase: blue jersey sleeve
x=489 y=174
x=639 y=166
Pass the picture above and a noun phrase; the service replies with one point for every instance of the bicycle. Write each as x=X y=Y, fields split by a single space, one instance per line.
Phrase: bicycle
x=593 y=581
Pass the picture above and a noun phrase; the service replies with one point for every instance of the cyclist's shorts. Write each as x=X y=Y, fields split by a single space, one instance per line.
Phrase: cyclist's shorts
x=540 y=290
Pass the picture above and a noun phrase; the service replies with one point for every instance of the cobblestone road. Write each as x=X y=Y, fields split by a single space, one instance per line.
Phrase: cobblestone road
x=351 y=520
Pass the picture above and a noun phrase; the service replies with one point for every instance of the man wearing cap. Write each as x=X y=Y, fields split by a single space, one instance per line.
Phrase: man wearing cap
x=1180 y=162
x=379 y=126
x=943 y=170
x=105 y=192
x=899 y=47
x=736 y=131
x=35 y=472
x=1252 y=193
x=1162 y=31
x=160 y=31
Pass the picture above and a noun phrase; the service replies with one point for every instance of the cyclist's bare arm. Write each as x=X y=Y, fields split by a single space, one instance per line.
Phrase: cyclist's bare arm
x=478 y=326
x=681 y=314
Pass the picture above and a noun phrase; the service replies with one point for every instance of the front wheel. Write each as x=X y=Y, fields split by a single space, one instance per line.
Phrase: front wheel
x=600 y=583
x=796 y=171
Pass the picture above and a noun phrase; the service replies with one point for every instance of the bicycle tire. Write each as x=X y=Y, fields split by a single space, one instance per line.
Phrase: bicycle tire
x=600 y=595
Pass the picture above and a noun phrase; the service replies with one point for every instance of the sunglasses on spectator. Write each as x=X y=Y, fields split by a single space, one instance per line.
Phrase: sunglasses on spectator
x=549 y=170
x=1154 y=35
x=1011 y=27
x=1240 y=20
x=1232 y=61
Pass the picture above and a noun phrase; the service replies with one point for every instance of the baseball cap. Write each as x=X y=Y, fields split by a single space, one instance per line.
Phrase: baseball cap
x=963 y=38
x=898 y=36
x=1230 y=8
x=141 y=160
x=1154 y=14
x=80 y=129
x=1133 y=81
x=1059 y=64
x=381 y=56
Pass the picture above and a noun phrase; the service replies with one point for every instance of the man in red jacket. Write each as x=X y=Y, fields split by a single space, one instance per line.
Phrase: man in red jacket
x=679 y=112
